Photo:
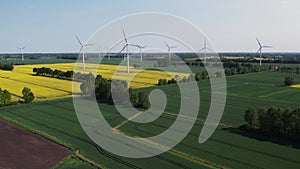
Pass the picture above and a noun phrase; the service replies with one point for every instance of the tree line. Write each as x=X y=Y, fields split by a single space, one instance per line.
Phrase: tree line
x=44 y=71
x=6 y=66
x=274 y=121
x=60 y=74
x=196 y=77
x=102 y=88
x=5 y=97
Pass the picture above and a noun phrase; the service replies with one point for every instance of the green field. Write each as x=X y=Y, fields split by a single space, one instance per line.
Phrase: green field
x=228 y=146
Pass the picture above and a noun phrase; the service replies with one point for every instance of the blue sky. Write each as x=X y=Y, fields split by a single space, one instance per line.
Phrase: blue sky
x=231 y=25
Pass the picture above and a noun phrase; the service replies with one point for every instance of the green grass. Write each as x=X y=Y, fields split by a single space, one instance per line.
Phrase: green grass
x=62 y=123
x=73 y=163
x=228 y=147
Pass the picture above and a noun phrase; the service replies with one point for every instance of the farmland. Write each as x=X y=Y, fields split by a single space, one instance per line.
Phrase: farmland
x=44 y=153
x=228 y=147
x=49 y=88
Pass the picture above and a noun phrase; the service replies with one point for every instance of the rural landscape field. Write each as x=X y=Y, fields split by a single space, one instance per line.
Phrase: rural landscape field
x=189 y=85
x=56 y=120
x=50 y=88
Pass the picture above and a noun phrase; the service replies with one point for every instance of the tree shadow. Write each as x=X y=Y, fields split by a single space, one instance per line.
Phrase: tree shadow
x=253 y=134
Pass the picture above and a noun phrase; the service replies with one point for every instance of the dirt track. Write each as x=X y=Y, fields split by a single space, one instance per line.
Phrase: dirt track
x=22 y=149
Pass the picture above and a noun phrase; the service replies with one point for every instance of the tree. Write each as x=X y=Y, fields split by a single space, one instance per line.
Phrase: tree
x=251 y=117
x=6 y=66
x=28 y=96
x=191 y=78
x=5 y=97
x=198 y=76
x=204 y=75
x=288 y=81
x=143 y=100
x=87 y=85
x=162 y=82
x=134 y=99
x=119 y=90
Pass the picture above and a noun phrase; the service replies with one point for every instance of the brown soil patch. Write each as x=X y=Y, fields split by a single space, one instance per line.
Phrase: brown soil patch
x=20 y=148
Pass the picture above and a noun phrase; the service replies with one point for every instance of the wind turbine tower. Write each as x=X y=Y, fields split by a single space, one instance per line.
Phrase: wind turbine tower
x=260 y=49
x=22 y=51
x=169 y=49
x=205 y=48
x=83 y=45
x=141 y=47
x=127 y=44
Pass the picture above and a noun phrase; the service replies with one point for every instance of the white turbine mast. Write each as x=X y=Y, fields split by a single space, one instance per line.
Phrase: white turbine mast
x=127 y=44
x=141 y=47
x=205 y=48
x=100 y=52
x=22 y=51
x=83 y=45
x=260 y=49
x=108 y=52
x=169 y=49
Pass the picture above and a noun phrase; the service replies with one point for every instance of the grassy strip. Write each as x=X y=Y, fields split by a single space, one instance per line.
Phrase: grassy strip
x=81 y=157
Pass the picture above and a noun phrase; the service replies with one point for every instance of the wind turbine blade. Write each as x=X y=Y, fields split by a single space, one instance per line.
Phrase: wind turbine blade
x=201 y=49
x=89 y=44
x=123 y=49
x=173 y=47
x=258 y=42
x=124 y=36
x=138 y=46
x=267 y=46
x=80 y=49
x=257 y=51
x=167 y=45
x=79 y=41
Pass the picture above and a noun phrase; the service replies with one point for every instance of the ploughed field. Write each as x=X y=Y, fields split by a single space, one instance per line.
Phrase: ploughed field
x=23 y=149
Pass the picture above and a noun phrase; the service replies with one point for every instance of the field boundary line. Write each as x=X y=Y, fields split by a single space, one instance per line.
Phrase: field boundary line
x=126 y=121
x=170 y=150
x=81 y=157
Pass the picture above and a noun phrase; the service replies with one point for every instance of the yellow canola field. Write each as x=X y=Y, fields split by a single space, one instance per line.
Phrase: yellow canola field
x=45 y=88
x=296 y=86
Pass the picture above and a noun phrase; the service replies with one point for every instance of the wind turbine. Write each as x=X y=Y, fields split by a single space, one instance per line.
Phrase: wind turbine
x=100 y=52
x=169 y=49
x=127 y=50
x=108 y=52
x=205 y=48
x=260 y=49
x=83 y=45
x=141 y=47
x=21 y=50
